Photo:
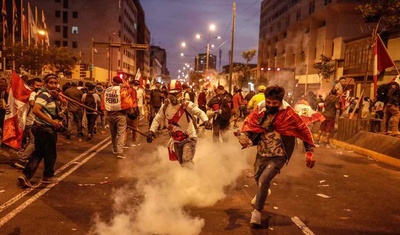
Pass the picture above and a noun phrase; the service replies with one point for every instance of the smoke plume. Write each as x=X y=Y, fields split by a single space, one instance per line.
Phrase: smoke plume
x=156 y=203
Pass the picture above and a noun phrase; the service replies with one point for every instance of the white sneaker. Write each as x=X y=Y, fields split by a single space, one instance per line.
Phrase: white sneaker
x=255 y=217
x=121 y=157
x=253 y=201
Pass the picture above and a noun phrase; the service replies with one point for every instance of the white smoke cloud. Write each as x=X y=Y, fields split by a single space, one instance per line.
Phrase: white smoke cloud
x=155 y=205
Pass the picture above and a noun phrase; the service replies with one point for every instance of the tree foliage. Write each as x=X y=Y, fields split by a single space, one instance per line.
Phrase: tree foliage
x=384 y=11
x=33 y=58
x=325 y=68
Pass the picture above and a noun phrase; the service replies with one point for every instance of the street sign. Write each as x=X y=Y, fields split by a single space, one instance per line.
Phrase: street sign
x=140 y=46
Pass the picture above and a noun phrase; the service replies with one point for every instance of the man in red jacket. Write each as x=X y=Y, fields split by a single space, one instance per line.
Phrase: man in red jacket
x=273 y=126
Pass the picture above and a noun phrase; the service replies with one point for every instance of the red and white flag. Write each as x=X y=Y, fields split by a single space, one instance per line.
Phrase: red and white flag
x=382 y=60
x=15 y=119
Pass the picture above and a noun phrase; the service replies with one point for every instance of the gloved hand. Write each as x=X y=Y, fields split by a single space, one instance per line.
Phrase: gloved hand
x=244 y=140
x=150 y=136
x=207 y=125
x=310 y=161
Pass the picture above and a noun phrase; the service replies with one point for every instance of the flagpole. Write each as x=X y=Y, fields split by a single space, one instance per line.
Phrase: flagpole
x=14 y=6
x=22 y=22
x=4 y=14
x=29 y=24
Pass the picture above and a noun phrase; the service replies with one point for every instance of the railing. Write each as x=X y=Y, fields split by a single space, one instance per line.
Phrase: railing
x=347 y=128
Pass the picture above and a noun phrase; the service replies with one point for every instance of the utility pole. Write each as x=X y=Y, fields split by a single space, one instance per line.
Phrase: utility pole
x=232 y=43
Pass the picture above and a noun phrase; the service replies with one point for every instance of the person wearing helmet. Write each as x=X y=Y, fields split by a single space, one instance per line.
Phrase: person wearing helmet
x=256 y=99
x=178 y=112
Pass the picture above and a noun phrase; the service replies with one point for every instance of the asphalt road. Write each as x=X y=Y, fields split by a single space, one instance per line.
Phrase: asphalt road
x=344 y=193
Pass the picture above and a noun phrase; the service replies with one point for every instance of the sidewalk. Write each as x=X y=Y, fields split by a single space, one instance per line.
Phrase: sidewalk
x=380 y=147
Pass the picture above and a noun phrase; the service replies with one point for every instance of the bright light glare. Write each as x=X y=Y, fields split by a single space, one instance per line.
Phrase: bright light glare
x=183 y=44
x=212 y=27
x=182 y=54
x=219 y=37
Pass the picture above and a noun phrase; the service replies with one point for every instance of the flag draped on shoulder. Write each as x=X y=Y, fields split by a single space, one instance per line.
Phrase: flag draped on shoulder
x=14 y=121
x=382 y=60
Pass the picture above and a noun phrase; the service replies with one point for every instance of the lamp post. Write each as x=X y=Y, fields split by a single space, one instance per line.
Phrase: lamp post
x=208 y=39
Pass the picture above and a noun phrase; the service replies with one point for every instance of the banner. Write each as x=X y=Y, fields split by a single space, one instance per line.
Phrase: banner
x=15 y=119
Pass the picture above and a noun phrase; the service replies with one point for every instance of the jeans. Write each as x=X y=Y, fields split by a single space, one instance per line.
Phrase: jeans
x=91 y=119
x=117 y=123
x=77 y=117
x=391 y=111
x=45 y=148
x=134 y=124
x=266 y=168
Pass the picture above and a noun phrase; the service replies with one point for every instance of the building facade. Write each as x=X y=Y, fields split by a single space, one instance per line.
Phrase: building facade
x=101 y=32
x=158 y=64
x=295 y=33
x=200 y=63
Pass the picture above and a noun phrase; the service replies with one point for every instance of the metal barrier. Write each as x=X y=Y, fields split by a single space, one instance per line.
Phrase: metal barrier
x=347 y=128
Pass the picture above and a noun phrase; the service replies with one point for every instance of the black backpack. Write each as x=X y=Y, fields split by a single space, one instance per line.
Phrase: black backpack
x=192 y=95
x=226 y=107
x=381 y=92
x=90 y=102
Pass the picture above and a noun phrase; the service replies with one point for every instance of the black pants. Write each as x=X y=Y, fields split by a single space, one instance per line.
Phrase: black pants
x=45 y=148
x=91 y=122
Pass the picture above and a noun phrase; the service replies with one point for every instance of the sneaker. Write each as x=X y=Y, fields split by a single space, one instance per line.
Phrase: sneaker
x=114 y=151
x=49 y=180
x=89 y=136
x=95 y=130
x=135 y=144
x=102 y=131
x=125 y=147
x=121 y=157
x=24 y=181
x=253 y=201
x=255 y=217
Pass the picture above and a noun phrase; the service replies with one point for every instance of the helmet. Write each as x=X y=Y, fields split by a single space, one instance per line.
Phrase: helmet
x=261 y=88
x=174 y=86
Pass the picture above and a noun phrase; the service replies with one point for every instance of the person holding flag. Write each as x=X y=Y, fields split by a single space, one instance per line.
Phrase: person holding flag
x=44 y=129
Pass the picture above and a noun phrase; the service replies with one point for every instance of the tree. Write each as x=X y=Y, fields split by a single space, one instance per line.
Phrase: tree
x=383 y=11
x=325 y=68
x=244 y=70
x=62 y=59
x=32 y=58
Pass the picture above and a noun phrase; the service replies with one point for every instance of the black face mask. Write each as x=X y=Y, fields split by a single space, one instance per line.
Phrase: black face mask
x=37 y=89
x=272 y=109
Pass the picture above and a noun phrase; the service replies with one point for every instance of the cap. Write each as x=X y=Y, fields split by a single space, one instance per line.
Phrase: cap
x=261 y=88
x=174 y=86
x=117 y=79
x=49 y=76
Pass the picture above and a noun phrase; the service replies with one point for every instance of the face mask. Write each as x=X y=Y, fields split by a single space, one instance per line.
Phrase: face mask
x=37 y=89
x=99 y=89
x=174 y=99
x=272 y=109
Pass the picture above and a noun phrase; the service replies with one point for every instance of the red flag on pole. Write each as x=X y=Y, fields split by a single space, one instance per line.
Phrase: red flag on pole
x=382 y=60
x=14 y=121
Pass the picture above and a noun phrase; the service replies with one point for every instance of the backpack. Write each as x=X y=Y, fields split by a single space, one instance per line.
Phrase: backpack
x=226 y=108
x=192 y=95
x=381 y=92
x=90 y=102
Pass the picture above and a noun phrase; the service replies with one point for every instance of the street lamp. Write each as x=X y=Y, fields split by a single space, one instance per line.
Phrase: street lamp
x=208 y=39
x=184 y=45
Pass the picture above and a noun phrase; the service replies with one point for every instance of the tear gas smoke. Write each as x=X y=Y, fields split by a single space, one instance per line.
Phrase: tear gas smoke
x=164 y=189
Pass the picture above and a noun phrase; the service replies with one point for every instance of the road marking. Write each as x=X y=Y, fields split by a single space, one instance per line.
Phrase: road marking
x=299 y=224
x=27 y=191
x=20 y=208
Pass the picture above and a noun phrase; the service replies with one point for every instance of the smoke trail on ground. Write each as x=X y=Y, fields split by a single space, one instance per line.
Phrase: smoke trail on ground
x=155 y=205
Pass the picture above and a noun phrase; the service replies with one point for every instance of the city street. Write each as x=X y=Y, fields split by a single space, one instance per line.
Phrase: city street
x=344 y=193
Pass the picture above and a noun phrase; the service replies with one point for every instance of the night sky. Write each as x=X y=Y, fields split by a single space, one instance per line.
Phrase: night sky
x=173 y=21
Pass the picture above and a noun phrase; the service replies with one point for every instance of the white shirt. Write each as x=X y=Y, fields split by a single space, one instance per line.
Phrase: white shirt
x=140 y=95
x=31 y=117
x=183 y=124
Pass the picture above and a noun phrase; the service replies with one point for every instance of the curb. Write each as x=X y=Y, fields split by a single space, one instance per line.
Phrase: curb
x=369 y=153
